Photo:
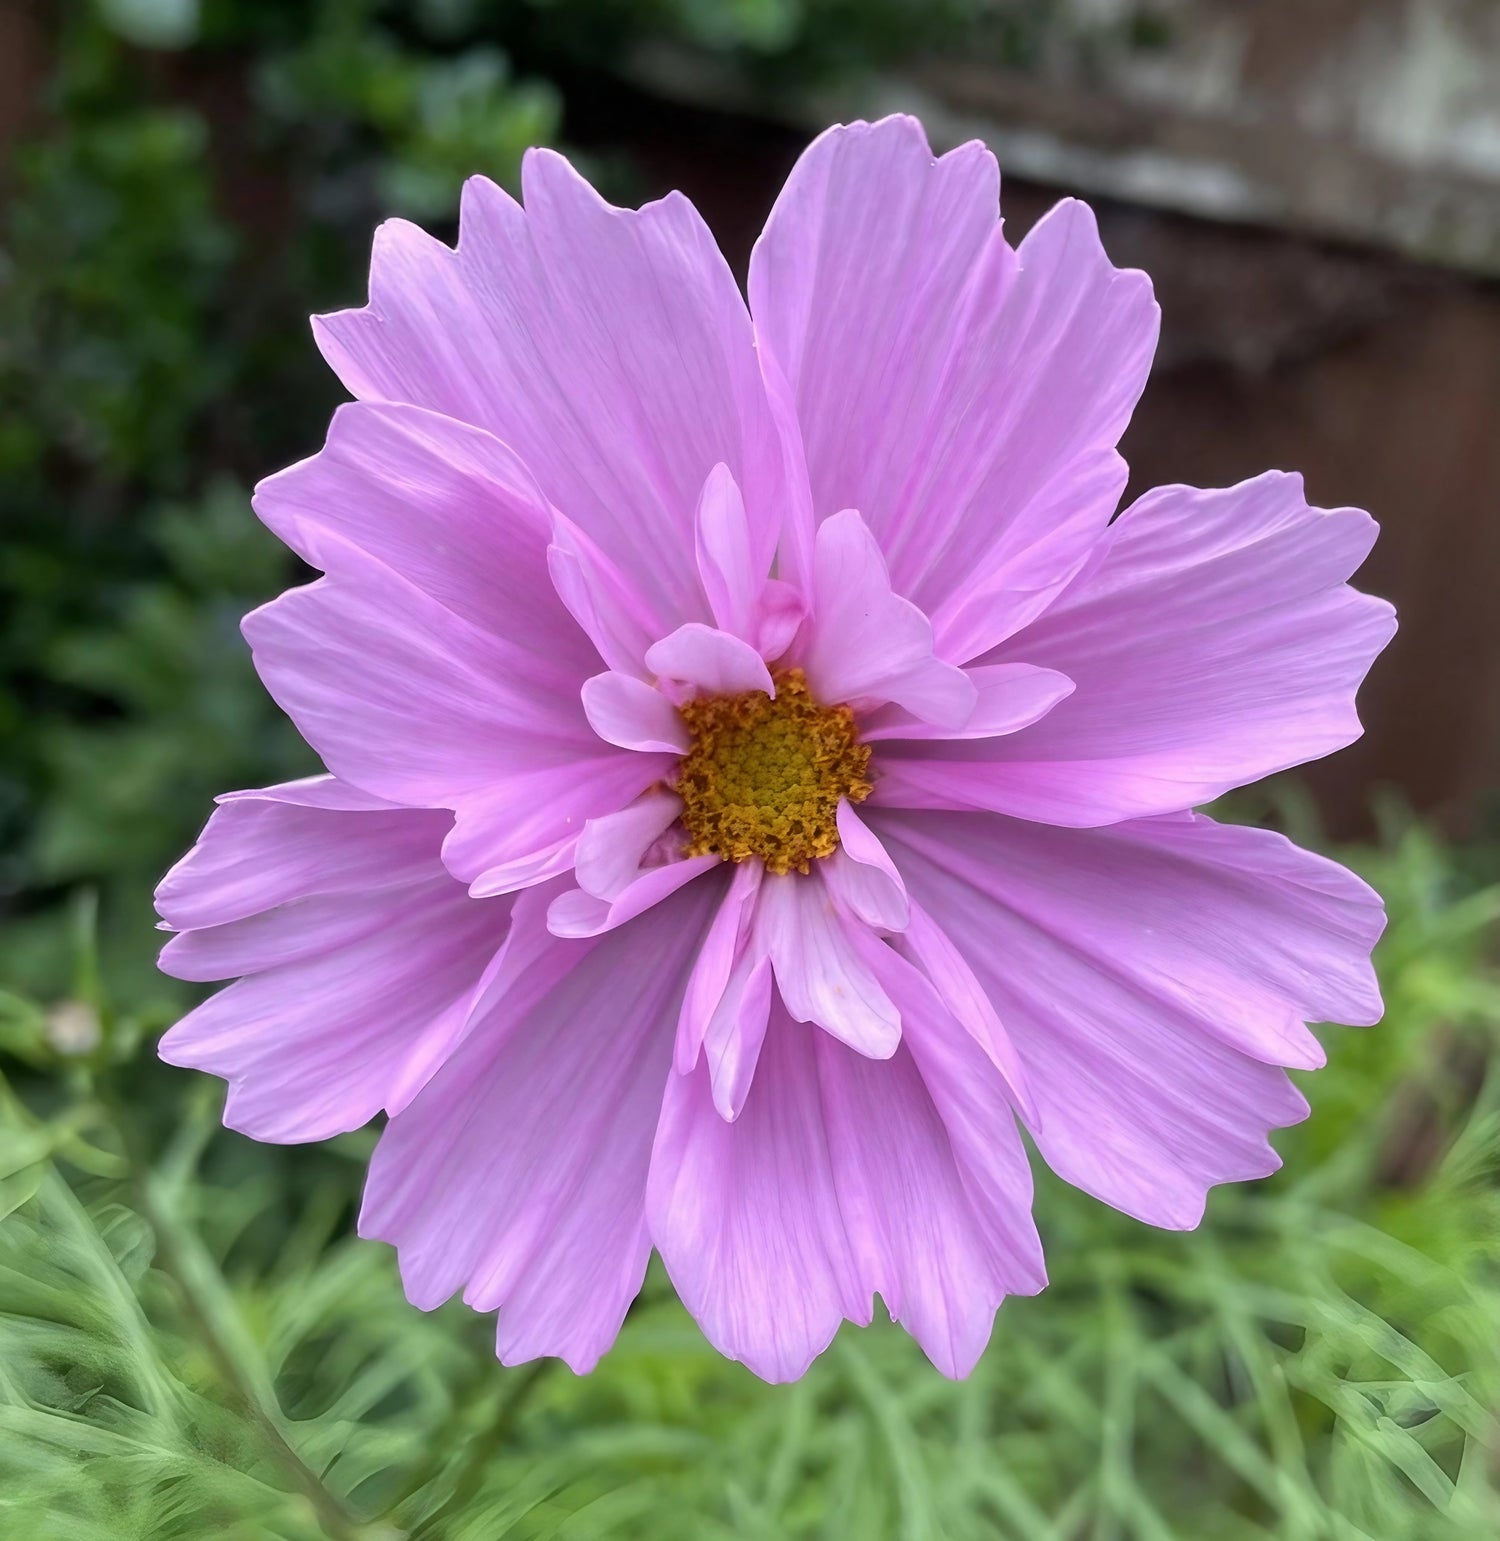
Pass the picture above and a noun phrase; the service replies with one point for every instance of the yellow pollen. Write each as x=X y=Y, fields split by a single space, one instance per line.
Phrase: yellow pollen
x=764 y=777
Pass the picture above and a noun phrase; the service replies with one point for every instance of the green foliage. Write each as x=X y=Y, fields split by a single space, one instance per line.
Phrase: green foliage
x=192 y=1343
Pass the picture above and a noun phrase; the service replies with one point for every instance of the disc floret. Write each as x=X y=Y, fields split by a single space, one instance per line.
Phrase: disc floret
x=764 y=776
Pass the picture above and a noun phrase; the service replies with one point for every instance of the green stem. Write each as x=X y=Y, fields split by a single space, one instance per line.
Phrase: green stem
x=182 y=1258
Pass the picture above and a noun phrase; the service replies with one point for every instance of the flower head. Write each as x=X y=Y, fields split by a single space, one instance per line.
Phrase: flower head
x=761 y=766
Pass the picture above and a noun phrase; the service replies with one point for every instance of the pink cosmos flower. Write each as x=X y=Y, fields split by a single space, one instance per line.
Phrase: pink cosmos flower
x=761 y=766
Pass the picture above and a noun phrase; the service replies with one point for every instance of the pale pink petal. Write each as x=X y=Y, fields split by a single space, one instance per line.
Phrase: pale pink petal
x=628 y=712
x=993 y=595
x=597 y=595
x=964 y=397
x=839 y=1178
x=819 y=971
x=736 y=1031
x=445 y=505
x=579 y=914
x=276 y=845
x=866 y=643
x=610 y=349
x=519 y=1174
x=1011 y=696
x=726 y=558
x=933 y=1185
x=798 y=519
x=359 y=984
x=746 y=1216
x=744 y=600
x=1213 y=642
x=401 y=696
x=536 y=864
x=927 y=948
x=713 y=662
x=297 y=929
x=722 y=945
x=525 y=827
x=779 y=617
x=862 y=877
x=611 y=849
x=1153 y=976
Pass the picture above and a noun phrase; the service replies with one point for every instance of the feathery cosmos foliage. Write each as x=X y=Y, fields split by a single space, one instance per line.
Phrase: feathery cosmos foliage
x=761 y=767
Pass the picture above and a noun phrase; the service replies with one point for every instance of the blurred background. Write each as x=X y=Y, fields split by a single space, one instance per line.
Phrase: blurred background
x=191 y=1343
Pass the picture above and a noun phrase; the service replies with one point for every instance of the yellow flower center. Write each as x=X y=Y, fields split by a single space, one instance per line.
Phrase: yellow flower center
x=764 y=777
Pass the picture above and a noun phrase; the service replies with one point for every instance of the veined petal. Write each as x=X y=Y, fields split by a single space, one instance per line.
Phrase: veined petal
x=926 y=946
x=726 y=558
x=1011 y=696
x=965 y=397
x=359 y=978
x=866 y=643
x=612 y=848
x=403 y=697
x=712 y=661
x=276 y=845
x=842 y=1177
x=628 y=712
x=1213 y=641
x=736 y=1031
x=525 y=827
x=746 y=1216
x=519 y=1174
x=445 y=505
x=933 y=1184
x=598 y=596
x=610 y=349
x=579 y=914
x=1153 y=977
x=862 y=877
x=722 y=946
x=819 y=971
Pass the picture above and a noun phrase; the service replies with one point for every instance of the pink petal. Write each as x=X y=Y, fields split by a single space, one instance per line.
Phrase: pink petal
x=722 y=945
x=628 y=712
x=519 y=1174
x=842 y=1177
x=579 y=914
x=600 y=599
x=1214 y=642
x=612 y=849
x=945 y=968
x=525 y=827
x=715 y=662
x=732 y=1041
x=726 y=557
x=1152 y=976
x=401 y=696
x=933 y=1186
x=867 y=644
x=609 y=348
x=779 y=616
x=1012 y=696
x=819 y=971
x=863 y=878
x=360 y=978
x=964 y=397
x=449 y=508
x=277 y=845
x=746 y=1216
